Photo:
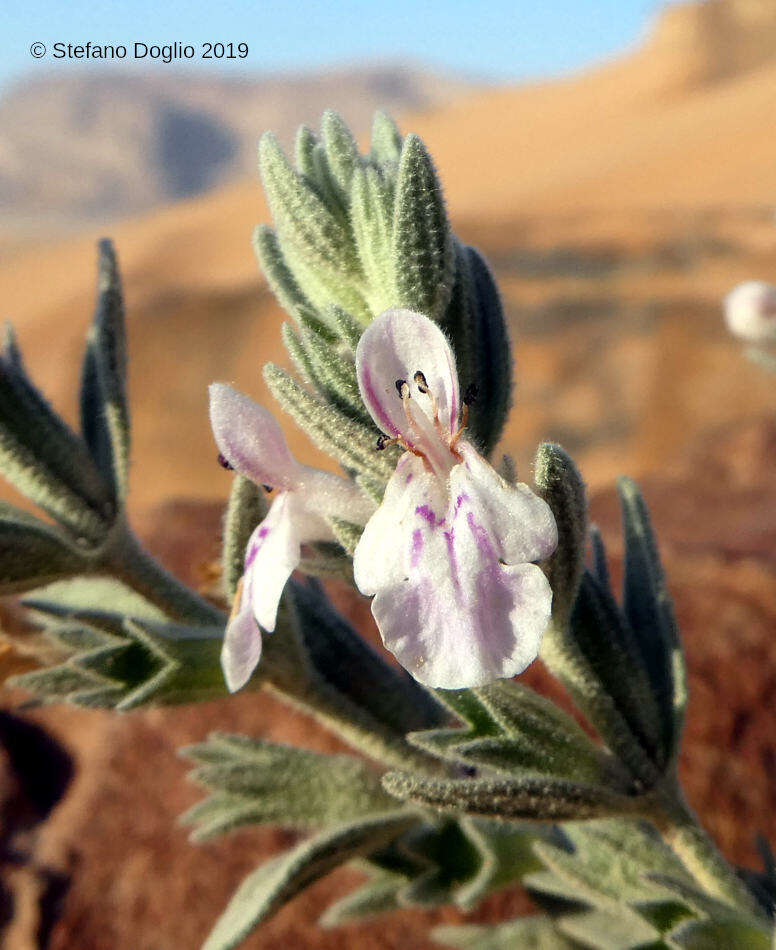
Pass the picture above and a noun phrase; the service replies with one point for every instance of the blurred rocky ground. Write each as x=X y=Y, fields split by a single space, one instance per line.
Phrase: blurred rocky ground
x=91 y=855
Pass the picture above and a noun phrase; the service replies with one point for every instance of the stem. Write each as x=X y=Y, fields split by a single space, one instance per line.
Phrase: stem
x=129 y=562
x=681 y=830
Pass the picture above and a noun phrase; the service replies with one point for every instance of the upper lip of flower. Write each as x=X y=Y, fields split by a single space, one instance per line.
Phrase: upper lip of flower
x=409 y=384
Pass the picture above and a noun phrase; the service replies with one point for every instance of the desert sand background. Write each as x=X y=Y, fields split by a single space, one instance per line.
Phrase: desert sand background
x=617 y=208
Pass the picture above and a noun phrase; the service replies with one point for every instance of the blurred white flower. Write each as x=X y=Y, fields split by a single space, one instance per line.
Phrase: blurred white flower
x=750 y=311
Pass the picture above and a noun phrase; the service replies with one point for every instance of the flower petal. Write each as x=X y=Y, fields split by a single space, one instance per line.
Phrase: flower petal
x=395 y=346
x=250 y=439
x=241 y=651
x=447 y=606
x=273 y=551
x=520 y=523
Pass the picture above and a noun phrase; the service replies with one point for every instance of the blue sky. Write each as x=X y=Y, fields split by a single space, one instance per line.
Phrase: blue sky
x=495 y=39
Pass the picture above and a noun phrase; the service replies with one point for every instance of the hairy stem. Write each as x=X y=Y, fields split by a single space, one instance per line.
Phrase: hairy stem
x=130 y=563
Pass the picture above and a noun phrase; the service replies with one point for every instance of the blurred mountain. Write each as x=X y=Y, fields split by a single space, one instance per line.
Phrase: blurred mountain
x=87 y=146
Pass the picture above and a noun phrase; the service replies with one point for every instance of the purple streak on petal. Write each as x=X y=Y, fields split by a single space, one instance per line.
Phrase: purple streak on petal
x=408 y=479
x=429 y=516
x=417 y=547
x=454 y=574
x=374 y=404
x=256 y=546
x=481 y=536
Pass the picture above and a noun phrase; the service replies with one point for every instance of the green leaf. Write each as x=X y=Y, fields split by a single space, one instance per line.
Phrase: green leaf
x=371 y=212
x=281 y=281
x=351 y=443
x=253 y=781
x=378 y=896
x=246 y=508
x=104 y=403
x=422 y=240
x=713 y=935
x=561 y=486
x=44 y=459
x=386 y=140
x=528 y=797
x=264 y=891
x=647 y=605
x=530 y=933
x=341 y=149
x=33 y=554
x=302 y=218
x=621 y=930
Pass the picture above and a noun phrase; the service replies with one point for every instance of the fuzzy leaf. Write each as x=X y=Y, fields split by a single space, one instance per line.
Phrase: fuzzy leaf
x=647 y=605
x=33 y=554
x=530 y=933
x=302 y=218
x=623 y=930
x=264 y=891
x=561 y=486
x=341 y=149
x=378 y=896
x=386 y=140
x=351 y=443
x=422 y=240
x=371 y=211
x=104 y=403
x=529 y=797
x=253 y=781
x=44 y=459
x=279 y=277
x=715 y=935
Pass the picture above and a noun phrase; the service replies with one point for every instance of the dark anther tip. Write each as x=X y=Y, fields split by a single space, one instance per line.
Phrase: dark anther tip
x=400 y=384
x=381 y=440
x=420 y=379
x=470 y=396
x=224 y=462
x=267 y=488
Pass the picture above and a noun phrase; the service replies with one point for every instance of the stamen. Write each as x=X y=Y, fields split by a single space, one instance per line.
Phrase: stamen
x=400 y=385
x=420 y=379
x=383 y=442
x=224 y=462
x=423 y=386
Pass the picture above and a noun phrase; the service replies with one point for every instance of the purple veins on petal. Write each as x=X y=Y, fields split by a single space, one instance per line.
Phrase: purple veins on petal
x=417 y=547
x=429 y=515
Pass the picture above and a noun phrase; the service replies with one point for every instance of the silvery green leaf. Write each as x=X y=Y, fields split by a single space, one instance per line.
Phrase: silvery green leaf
x=529 y=933
x=264 y=891
x=379 y=895
x=341 y=149
x=45 y=460
x=351 y=443
x=302 y=218
x=600 y=563
x=335 y=374
x=348 y=329
x=386 y=140
x=33 y=554
x=281 y=281
x=528 y=797
x=326 y=289
x=299 y=356
x=491 y=363
x=371 y=212
x=104 y=402
x=560 y=484
x=254 y=781
x=647 y=605
x=346 y=533
x=305 y=142
x=422 y=240
x=246 y=508
x=623 y=929
x=715 y=935
x=92 y=598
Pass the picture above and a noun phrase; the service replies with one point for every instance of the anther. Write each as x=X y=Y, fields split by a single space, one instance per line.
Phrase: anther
x=383 y=441
x=470 y=396
x=420 y=379
x=402 y=388
x=224 y=462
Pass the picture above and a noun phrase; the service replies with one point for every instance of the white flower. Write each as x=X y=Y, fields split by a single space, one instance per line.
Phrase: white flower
x=750 y=311
x=253 y=444
x=449 y=553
